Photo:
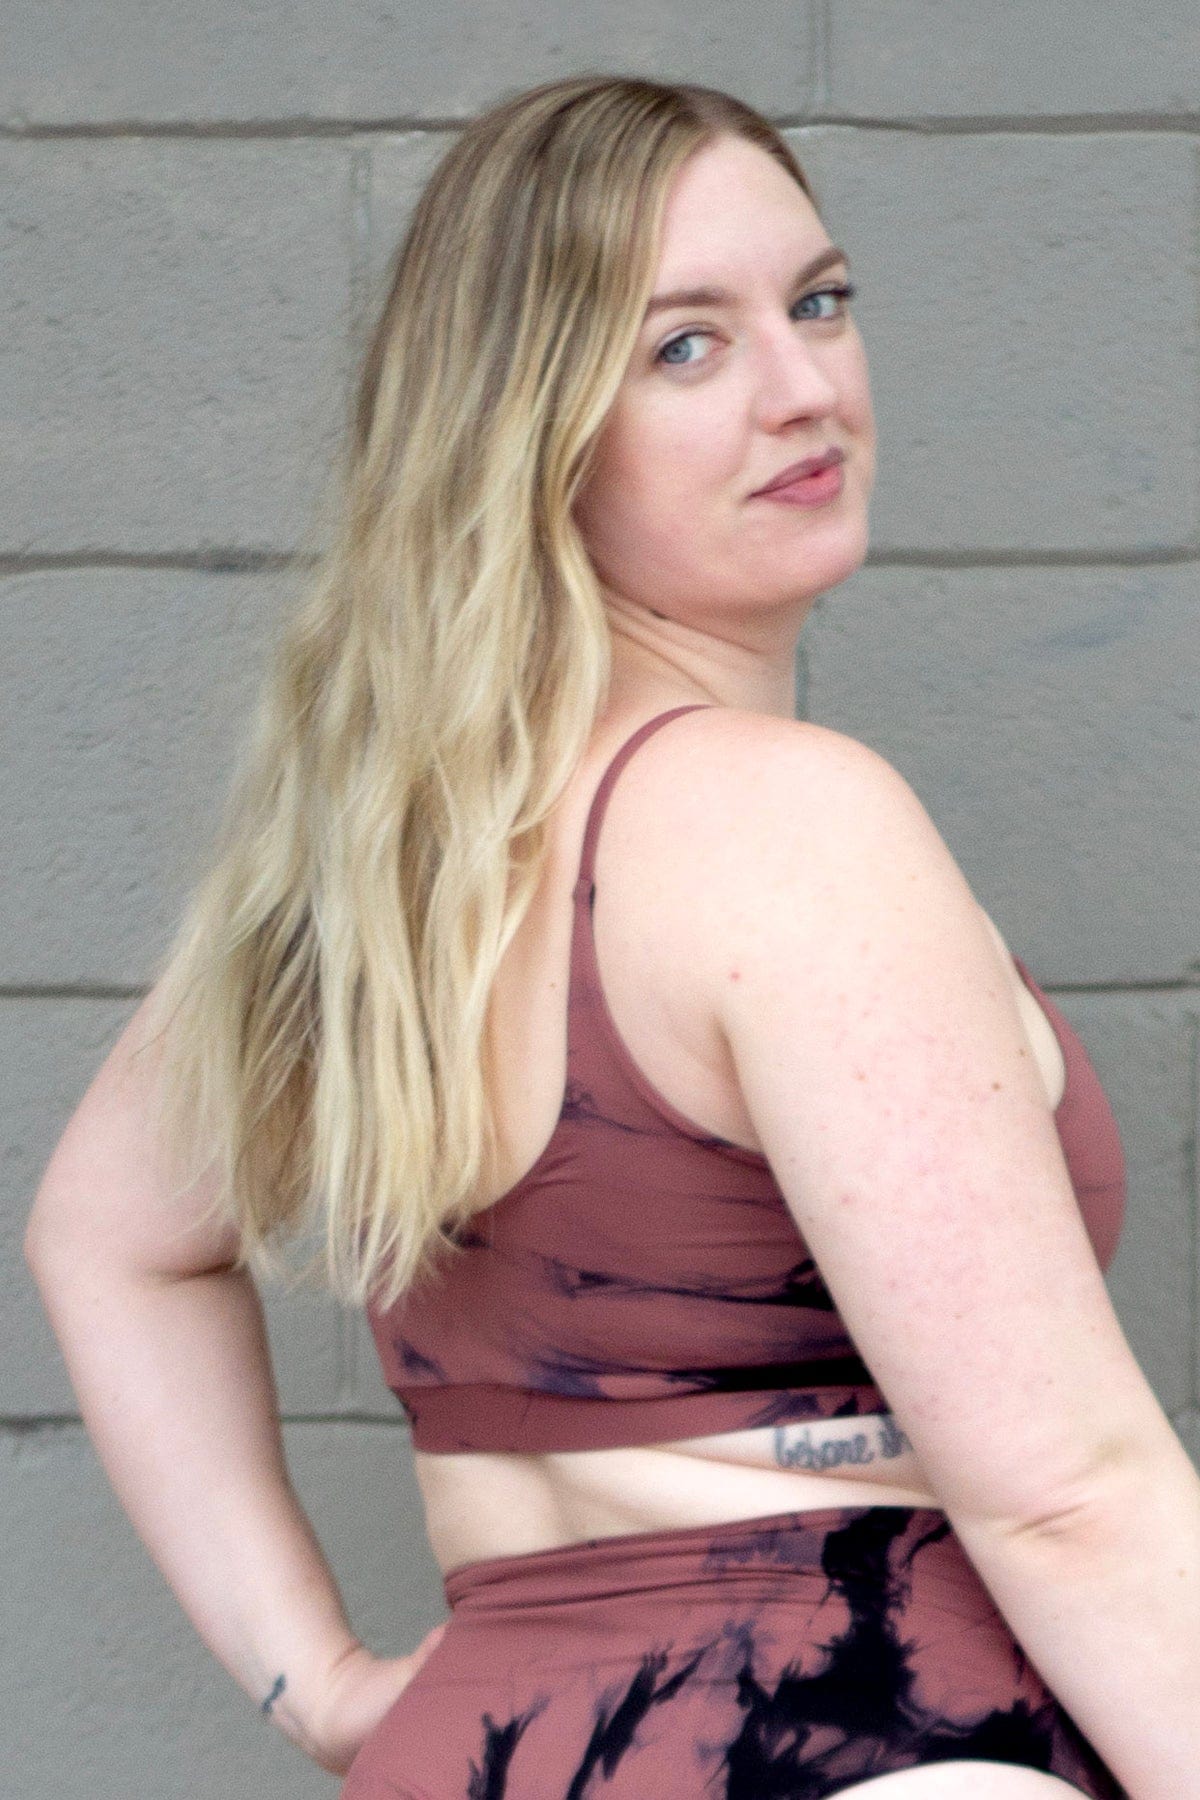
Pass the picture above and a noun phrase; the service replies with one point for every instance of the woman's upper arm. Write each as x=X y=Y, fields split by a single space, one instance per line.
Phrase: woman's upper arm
x=106 y=1193
x=881 y=1057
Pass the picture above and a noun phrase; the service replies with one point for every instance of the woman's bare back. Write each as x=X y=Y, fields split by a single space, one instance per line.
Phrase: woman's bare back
x=488 y=1503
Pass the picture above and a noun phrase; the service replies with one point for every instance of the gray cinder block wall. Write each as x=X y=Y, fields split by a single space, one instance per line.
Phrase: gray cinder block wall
x=196 y=206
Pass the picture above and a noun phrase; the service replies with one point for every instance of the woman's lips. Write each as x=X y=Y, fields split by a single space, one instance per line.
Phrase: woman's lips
x=808 y=490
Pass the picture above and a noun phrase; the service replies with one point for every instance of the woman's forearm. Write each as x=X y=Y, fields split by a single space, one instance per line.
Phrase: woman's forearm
x=1106 y=1603
x=175 y=1387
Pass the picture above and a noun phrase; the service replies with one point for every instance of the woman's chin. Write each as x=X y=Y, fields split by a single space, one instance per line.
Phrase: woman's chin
x=836 y=559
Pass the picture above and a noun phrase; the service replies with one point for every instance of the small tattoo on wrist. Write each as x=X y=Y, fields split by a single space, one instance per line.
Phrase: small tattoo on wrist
x=274 y=1694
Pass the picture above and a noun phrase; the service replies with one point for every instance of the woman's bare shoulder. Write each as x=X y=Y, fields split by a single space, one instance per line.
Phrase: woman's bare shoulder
x=729 y=811
x=748 y=829
x=752 y=762
x=732 y=794
x=723 y=766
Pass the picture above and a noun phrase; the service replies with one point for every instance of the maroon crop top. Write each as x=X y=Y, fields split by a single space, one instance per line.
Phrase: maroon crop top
x=644 y=1281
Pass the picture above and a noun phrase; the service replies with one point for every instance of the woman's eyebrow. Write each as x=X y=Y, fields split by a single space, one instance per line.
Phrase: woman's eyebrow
x=714 y=296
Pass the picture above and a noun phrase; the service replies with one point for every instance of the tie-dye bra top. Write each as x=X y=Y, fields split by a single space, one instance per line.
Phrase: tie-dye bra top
x=645 y=1281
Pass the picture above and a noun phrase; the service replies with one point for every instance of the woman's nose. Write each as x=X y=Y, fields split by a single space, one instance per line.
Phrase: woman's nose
x=794 y=379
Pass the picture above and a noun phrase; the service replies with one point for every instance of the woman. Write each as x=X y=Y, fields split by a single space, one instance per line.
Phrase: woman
x=775 y=1430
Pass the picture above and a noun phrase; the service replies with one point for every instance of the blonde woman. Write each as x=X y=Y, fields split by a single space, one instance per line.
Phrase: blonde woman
x=730 y=1208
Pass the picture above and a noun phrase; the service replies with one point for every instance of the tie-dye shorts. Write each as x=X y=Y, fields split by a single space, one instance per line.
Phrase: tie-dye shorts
x=777 y=1658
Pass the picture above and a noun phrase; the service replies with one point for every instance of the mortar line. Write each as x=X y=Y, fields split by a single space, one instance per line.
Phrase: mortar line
x=228 y=561
x=1113 y=124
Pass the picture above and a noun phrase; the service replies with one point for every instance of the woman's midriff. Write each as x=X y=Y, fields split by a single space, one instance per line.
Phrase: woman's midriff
x=482 y=1504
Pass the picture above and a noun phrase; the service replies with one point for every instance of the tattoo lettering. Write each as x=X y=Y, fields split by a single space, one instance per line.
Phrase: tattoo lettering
x=798 y=1451
x=892 y=1441
x=802 y=1453
x=274 y=1694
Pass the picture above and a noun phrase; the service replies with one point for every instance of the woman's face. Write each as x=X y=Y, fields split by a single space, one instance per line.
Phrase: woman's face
x=718 y=398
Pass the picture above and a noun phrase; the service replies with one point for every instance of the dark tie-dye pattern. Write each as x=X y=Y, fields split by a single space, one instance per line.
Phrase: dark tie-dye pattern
x=783 y=1658
x=646 y=1280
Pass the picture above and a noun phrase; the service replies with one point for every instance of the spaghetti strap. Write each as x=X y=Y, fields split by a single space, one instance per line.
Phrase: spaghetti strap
x=596 y=812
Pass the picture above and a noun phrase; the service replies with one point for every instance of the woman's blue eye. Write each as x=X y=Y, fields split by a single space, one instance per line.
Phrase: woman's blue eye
x=841 y=293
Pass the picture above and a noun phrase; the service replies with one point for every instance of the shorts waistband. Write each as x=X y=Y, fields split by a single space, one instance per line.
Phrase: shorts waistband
x=632 y=1561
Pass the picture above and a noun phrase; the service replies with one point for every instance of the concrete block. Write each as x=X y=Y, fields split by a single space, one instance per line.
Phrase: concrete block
x=1047 y=718
x=122 y=61
x=1028 y=304
x=114 y=1692
x=130 y=694
x=173 y=340
x=902 y=59
x=305 y=1330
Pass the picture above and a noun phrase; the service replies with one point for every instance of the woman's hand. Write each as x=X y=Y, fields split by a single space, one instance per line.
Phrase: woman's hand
x=361 y=1689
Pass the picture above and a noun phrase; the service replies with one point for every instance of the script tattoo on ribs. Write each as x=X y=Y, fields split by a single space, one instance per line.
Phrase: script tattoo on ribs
x=796 y=1446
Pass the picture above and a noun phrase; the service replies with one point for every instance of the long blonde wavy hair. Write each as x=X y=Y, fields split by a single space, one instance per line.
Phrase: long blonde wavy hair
x=324 y=1000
